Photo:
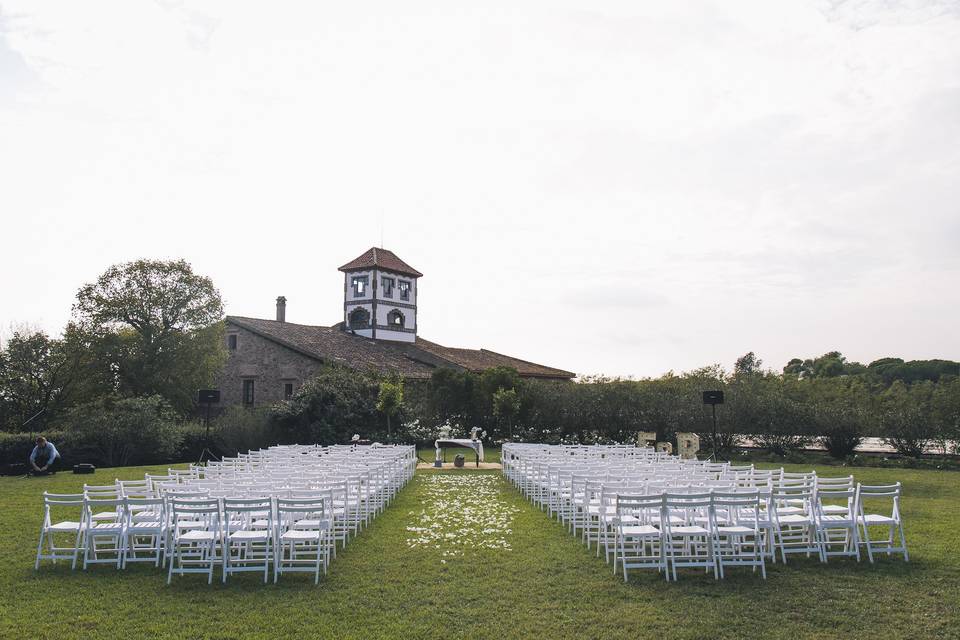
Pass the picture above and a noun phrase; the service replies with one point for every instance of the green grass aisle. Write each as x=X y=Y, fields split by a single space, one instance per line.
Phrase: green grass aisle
x=506 y=572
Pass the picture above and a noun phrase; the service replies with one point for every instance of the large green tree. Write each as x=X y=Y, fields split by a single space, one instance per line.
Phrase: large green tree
x=829 y=365
x=38 y=376
x=155 y=328
x=889 y=370
x=330 y=407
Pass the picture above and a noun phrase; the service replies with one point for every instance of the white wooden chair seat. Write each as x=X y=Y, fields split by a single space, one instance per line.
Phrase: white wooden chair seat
x=639 y=530
x=198 y=535
x=249 y=535
x=313 y=524
x=105 y=516
x=834 y=508
x=734 y=530
x=795 y=519
x=145 y=515
x=877 y=519
x=837 y=519
x=689 y=530
x=300 y=535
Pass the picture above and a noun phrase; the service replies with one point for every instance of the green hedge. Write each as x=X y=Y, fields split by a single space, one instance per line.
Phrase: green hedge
x=15 y=448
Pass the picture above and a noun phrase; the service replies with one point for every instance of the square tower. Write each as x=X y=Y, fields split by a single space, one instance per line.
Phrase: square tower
x=380 y=296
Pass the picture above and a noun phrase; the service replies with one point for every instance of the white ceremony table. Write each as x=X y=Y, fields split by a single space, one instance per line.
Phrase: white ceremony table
x=476 y=445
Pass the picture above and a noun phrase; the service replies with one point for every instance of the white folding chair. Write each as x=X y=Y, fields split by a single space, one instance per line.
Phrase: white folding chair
x=827 y=483
x=836 y=517
x=104 y=536
x=196 y=536
x=302 y=528
x=248 y=535
x=794 y=520
x=340 y=510
x=893 y=523
x=72 y=503
x=145 y=530
x=638 y=535
x=740 y=540
x=105 y=492
x=692 y=543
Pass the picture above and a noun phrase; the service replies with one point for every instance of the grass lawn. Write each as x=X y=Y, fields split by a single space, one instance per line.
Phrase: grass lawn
x=544 y=585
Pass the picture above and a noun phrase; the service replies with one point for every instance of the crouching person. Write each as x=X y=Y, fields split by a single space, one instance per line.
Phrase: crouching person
x=44 y=459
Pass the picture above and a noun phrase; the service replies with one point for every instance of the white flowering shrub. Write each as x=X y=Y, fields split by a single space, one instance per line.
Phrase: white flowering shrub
x=417 y=431
x=420 y=431
x=460 y=513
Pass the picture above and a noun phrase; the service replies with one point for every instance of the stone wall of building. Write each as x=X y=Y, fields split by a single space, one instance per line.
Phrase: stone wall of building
x=269 y=365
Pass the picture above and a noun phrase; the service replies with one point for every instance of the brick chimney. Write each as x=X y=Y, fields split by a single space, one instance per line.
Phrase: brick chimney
x=281 y=309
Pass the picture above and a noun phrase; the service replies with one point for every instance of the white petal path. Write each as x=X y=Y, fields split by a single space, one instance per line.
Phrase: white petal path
x=462 y=512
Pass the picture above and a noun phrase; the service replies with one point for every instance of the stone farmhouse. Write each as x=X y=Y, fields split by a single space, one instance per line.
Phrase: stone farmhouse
x=269 y=359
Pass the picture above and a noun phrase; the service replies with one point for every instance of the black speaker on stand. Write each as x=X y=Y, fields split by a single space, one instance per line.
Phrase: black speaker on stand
x=713 y=398
x=207 y=397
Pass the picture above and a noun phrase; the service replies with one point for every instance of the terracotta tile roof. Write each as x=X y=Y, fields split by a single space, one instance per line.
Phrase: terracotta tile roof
x=478 y=360
x=329 y=344
x=381 y=259
x=411 y=360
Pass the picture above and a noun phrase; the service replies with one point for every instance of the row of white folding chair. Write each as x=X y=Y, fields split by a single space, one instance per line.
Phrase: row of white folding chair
x=832 y=518
x=251 y=534
x=388 y=475
x=680 y=530
x=560 y=494
x=120 y=537
x=189 y=542
x=569 y=498
x=348 y=511
x=830 y=522
x=602 y=515
x=535 y=477
x=810 y=524
x=353 y=512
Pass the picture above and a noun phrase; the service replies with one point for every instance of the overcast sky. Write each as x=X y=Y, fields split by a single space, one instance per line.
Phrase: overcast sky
x=603 y=186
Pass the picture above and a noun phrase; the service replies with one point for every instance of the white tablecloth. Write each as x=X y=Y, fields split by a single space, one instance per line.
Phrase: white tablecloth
x=476 y=445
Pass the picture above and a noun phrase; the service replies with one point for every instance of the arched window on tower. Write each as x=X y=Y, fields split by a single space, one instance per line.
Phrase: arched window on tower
x=395 y=319
x=359 y=318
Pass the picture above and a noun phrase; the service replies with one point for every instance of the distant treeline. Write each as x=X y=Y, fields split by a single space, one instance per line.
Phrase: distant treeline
x=781 y=412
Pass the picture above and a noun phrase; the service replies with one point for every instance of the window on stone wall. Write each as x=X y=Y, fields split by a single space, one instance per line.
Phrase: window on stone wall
x=395 y=319
x=287 y=390
x=404 y=287
x=232 y=342
x=360 y=286
x=388 y=287
x=359 y=318
x=248 y=393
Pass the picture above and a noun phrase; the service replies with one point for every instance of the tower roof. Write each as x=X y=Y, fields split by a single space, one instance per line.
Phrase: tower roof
x=381 y=259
